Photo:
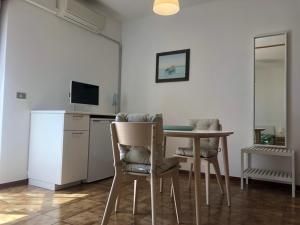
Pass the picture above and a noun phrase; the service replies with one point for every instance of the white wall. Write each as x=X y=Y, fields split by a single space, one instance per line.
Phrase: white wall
x=3 y=34
x=220 y=35
x=43 y=54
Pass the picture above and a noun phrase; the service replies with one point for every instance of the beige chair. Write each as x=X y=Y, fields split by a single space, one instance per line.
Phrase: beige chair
x=137 y=151
x=209 y=152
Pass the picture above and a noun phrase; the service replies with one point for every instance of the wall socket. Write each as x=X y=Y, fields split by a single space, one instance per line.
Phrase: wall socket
x=21 y=95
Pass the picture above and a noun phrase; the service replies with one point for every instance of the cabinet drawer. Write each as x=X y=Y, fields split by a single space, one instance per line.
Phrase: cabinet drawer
x=75 y=156
x=76 y=122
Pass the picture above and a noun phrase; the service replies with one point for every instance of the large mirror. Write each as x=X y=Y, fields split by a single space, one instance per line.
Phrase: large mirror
x=270 y=68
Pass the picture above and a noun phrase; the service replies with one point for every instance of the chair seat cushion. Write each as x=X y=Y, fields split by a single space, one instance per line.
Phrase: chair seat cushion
x=188 y=151
x=134 y=154
x=167 y=164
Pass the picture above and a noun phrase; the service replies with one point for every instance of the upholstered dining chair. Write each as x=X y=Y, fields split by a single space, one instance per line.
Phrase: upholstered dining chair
x=209 y=152
x=137 y=152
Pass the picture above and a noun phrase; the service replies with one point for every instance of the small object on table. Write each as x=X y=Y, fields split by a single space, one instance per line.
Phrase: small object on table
x=258 y=135
x=279 y=140
x=178 y=127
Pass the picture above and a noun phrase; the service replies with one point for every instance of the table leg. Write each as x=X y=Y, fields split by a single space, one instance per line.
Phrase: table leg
x=197 y=175
x=226 y=169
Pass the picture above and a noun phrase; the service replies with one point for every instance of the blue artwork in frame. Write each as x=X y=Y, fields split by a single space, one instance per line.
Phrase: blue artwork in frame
x=173 y=66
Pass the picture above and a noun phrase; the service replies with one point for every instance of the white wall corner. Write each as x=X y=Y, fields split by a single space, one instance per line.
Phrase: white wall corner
x=3 y=38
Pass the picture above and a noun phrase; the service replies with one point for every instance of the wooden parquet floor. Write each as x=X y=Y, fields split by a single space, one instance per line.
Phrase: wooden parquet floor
x=261 y=204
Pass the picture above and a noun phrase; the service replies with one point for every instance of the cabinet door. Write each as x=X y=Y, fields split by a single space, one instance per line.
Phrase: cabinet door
x=75 y=156
x=100 y=152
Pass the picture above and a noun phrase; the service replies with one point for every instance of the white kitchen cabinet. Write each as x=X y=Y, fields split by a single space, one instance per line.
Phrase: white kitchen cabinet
x=74 y=156
x=58 y=150
x=101 y=161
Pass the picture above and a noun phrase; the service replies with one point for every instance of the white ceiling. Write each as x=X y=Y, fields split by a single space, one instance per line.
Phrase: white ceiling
x=270 y=54
x=129 y=9
x=274 y=54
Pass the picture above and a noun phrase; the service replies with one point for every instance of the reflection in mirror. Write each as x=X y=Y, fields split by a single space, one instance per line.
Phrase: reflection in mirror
x=270 y=90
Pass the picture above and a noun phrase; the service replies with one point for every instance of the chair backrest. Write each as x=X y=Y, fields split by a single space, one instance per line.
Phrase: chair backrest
x=132 y=145
x=134 y=134
x=206 y=124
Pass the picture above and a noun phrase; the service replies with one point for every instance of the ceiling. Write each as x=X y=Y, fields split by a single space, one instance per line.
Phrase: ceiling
x=129 y=9
x=270 y=54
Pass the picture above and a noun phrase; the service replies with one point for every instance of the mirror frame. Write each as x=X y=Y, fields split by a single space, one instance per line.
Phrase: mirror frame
x=285 y=34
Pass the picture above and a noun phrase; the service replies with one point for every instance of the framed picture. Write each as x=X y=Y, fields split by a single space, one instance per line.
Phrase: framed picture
x=173 y=66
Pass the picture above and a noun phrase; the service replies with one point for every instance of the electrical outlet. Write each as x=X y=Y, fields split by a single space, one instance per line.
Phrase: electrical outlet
x=21 y=95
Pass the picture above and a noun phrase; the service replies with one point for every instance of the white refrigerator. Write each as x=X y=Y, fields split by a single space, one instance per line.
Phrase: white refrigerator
x=100 y=160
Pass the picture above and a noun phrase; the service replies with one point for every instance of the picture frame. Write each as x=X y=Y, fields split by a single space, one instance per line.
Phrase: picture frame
x=173 y=66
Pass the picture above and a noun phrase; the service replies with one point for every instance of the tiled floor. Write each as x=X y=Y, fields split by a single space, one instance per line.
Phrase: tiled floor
x=261 y=203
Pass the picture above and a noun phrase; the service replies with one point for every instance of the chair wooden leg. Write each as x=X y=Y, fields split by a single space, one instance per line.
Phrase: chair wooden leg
x=191 y=175
x=216 y=166
x=197 y=182
x=135 y=197
x=171 y=190
x=161 y=185
x=176 y=195
x=117 y=203
x=114 y=192
x=207 y=180
x=161 y=182
x=153 y=198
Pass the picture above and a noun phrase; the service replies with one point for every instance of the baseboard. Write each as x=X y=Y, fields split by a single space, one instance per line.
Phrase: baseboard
x=184 y=172
x=14 y=184
x=51 y=186
x=238 y=179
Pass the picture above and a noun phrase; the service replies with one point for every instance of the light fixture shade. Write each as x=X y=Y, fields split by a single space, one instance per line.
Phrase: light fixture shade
x=166 y=7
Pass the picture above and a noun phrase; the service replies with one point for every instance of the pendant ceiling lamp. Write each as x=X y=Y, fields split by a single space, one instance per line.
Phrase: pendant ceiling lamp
x=166 y=7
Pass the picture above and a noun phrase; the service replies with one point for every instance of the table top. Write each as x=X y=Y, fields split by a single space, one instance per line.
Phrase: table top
x=197 y=133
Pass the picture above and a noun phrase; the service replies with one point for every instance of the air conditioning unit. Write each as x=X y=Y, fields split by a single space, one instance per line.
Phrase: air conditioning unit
x=76 y=12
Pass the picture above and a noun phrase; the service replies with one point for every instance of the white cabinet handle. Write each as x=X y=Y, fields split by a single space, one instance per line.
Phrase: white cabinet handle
x=77 y=133
x=77 y=116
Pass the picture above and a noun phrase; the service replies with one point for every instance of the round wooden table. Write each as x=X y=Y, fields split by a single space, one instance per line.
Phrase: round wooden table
x=196 y=135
